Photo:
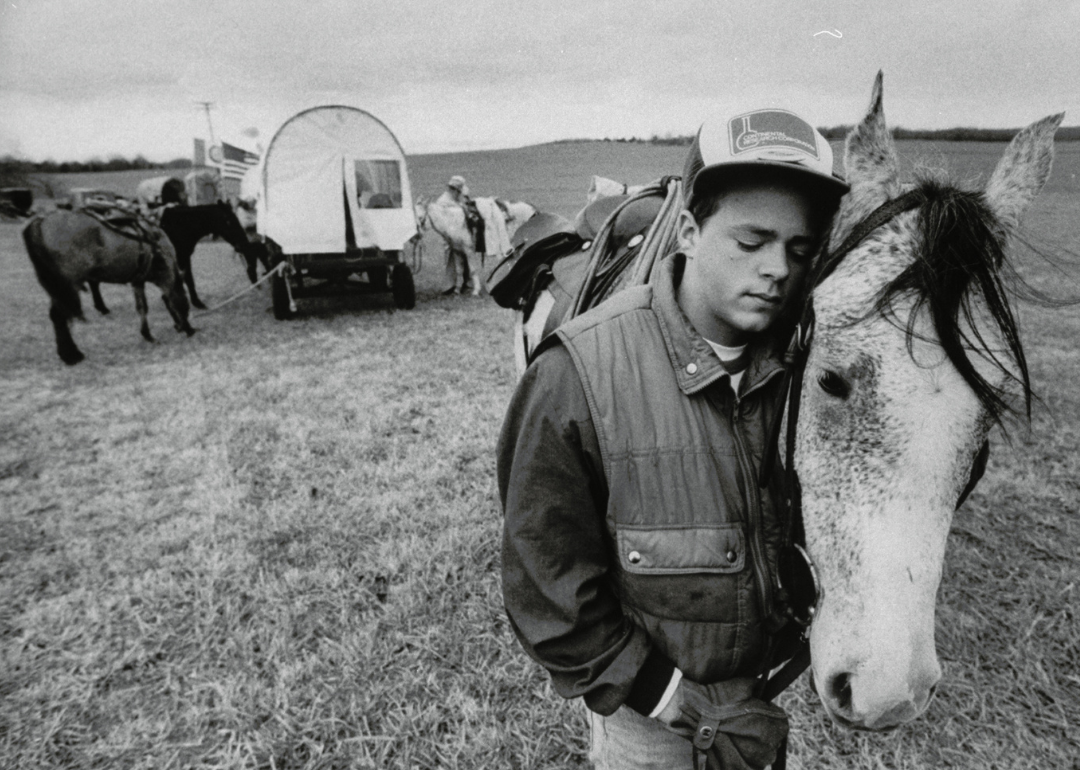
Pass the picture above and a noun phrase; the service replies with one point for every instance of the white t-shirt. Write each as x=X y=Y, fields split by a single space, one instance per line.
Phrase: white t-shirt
x=730 y=357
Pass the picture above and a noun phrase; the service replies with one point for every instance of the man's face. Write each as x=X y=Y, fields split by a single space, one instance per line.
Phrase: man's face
x=746 y=261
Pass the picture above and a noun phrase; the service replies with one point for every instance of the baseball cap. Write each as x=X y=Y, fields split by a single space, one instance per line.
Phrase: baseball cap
x=457 y=182
x=766 y=137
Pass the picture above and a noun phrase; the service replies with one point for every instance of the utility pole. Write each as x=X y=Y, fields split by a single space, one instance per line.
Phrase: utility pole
x=206 y=106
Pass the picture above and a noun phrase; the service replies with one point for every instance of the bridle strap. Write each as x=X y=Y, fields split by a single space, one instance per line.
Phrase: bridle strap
x=881 y=215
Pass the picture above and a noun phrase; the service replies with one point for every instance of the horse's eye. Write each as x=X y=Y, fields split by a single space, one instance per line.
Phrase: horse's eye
x=833 y=384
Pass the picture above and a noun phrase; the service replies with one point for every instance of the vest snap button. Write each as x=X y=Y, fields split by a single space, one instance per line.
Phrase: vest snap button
x=732 y=556
x=634 y=557
x=691 y=368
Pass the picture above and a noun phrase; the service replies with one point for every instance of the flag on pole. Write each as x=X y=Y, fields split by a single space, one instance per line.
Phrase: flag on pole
x=236 y=161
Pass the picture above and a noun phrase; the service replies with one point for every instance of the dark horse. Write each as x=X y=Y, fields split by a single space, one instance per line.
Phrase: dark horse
x=186 y=226
x=71 y=248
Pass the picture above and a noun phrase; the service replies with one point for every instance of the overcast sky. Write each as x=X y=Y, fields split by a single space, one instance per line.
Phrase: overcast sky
x=84 y=78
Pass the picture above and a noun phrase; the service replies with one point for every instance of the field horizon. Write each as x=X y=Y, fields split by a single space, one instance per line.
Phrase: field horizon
x=276 y=544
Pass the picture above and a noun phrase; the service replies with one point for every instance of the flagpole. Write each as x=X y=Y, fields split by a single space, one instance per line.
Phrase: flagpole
x=206 y=106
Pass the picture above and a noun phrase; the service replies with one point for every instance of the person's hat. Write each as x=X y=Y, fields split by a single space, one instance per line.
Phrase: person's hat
x=456 y=182
x=767 y=137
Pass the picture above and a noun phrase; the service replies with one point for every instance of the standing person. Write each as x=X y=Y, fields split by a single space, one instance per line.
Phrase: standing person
x=639 y=551
x=457 y=256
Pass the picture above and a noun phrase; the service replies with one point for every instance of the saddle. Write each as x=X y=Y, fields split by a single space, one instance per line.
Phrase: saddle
x=551 y=253
x=519 y=277
x=122 y=221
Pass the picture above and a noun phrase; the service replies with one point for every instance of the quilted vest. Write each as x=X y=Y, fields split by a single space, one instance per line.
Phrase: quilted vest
x=686 y=517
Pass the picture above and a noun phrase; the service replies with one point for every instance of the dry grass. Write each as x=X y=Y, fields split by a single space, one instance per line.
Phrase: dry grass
x=275 y=545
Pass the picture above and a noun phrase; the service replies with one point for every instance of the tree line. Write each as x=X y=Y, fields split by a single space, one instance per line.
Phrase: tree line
x=1064 y=134
x=11 y=166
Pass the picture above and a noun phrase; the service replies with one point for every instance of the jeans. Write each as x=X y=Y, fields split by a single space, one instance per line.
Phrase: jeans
x=626 y=740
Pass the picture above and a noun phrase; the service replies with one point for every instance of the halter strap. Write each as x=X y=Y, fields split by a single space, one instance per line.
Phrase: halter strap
x=881 y=215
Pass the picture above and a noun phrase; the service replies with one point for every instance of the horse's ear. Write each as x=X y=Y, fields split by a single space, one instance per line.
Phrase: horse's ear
x=870 y=164
x=1023 y=170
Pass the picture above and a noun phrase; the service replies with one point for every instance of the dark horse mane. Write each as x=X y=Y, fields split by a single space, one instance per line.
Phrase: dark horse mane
x=962 y=257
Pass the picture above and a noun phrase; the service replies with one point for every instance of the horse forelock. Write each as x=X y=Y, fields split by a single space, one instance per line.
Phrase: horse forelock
x=954 y=275
x=944 y=261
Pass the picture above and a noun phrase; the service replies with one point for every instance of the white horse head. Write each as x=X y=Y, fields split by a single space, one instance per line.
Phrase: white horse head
x=914 y=355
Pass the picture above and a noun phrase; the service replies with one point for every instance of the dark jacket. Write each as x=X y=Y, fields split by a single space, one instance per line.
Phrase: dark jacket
x=633 y=517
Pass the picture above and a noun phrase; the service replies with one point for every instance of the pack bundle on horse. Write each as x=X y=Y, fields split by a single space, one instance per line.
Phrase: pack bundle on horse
x=71 y=248
x=905 y=355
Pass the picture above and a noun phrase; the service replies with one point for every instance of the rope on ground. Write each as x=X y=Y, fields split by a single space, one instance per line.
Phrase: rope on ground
x=277 y=269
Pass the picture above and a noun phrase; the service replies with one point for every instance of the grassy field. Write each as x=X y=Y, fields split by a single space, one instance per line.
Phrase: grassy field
x=276 y=544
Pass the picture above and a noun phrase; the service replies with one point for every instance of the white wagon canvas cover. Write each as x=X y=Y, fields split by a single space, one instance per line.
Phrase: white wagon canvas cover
x=323 y=160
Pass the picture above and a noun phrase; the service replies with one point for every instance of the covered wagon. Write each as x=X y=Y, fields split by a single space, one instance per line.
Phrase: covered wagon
x=335 y=208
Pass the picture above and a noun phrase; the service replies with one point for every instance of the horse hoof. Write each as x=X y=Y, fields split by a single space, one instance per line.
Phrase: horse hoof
x=198 y=303
x=72 y=358
x=189 y=331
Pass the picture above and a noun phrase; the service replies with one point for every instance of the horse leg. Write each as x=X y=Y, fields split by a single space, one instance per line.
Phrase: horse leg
x=184 y=262
x=65 y=344
x=451 y=270
x=180 y=321
x=99 y=303
x=476 y=270
x=466 y=274
x=251 y=273
x=140 y=305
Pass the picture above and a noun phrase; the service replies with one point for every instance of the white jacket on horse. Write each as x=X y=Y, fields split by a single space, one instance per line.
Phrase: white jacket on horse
x=446 y=215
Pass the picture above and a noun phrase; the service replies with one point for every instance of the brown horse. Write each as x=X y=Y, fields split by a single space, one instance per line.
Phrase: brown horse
x=70 y=248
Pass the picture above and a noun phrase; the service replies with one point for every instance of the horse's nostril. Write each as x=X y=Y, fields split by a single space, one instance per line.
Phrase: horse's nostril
x=840 y=690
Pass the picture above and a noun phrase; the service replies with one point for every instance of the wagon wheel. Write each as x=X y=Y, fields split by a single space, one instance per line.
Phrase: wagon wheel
x=403 y=287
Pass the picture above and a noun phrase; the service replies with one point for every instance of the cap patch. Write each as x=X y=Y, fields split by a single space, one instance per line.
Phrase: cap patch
x=765 y=129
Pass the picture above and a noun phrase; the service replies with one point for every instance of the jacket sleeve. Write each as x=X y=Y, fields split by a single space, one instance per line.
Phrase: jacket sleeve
x=555 y=552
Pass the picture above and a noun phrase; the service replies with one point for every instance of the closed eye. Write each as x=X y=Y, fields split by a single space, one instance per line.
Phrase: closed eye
x=744 y=246
x=833 y=384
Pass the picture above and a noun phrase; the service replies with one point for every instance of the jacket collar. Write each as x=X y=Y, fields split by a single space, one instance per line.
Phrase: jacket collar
x=695 y=363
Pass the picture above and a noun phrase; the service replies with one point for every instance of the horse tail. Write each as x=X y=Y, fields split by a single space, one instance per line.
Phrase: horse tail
x=65 y=295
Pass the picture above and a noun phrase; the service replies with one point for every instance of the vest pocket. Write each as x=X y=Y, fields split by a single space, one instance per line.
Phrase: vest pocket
x=680 y=549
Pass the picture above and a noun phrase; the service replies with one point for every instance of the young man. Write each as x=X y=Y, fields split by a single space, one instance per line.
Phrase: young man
x=639 y=551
